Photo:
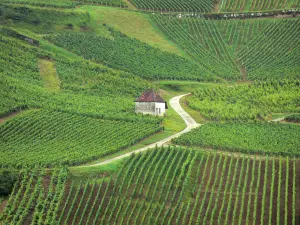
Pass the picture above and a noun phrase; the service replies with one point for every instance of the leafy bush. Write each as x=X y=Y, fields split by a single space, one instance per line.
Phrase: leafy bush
x=7 y=180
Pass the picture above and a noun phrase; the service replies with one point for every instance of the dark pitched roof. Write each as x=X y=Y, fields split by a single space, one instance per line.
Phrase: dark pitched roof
x=150 y=96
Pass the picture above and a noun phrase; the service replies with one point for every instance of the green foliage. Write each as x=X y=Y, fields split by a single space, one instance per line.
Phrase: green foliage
x=49 y=138
x=129 y=54
x=177 y=5
x=238 y=49
x=118 y=3
x=210 y=52
x=293 y=118
x=155 y=188
x=255 y=5
x=45 y=3
x=19 y=61
x=94 y=79
x=274 y=139
x=89 y=92
x=17 y=95
x=42 y=20
x=246 y=102
x=89 y=89
x=7 y=180
x=212 y=5
x=274 y=53
x=36 y=194
x=65 y=3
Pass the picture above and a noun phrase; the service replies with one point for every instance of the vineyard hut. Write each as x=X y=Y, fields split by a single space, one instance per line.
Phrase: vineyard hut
x=152 y=103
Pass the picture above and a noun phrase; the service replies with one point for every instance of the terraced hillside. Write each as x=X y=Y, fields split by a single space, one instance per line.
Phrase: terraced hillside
x=90 y=97
x=164 y=186
x=70 y=72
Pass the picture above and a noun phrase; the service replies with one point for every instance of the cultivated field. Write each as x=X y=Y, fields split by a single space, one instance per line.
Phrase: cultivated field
x=70 y=72
x=252 y=49
x=246 y=102
x=164 y=186
x=48 y=138
x=247 y=137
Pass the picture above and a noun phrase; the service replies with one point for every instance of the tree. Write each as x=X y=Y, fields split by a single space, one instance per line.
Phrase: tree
x=7 y=180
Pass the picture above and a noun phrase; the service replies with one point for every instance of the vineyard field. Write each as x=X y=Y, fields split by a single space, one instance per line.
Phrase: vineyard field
x=165 y=186
x=246 y=102
x=20 y=61
x=97 y=80
x=116 y=3
x=250 y=138
x=175 y=6
x=49 y=138
x=293 y=118
x=254 y=5
x=44 y=3
x=144 y=60
x=87 y=88
x=65 y=3
x=201 y=6
x=253 y=49
x=79 y=147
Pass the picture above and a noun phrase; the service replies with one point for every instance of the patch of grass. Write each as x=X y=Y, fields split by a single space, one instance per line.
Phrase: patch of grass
x=134 y=24
x=49 y=75
x=53 y=49
x=173 y=123
x=84 y=173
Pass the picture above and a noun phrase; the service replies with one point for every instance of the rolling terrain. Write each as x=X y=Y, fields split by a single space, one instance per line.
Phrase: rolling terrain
x=70 y=72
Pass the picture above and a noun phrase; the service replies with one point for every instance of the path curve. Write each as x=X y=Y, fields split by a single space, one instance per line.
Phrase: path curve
x=278 y=119
x=189 y=121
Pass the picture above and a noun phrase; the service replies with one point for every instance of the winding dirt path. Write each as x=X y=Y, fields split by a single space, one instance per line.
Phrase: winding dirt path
x=189 y=121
